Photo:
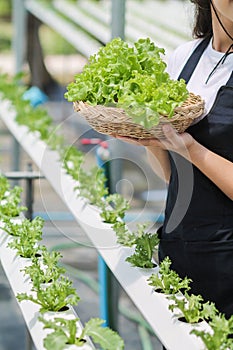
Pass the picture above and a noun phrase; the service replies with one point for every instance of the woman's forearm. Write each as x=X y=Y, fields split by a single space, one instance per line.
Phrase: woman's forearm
x=159 y=162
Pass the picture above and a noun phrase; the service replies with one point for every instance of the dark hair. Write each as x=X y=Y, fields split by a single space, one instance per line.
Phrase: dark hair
x=203 y=21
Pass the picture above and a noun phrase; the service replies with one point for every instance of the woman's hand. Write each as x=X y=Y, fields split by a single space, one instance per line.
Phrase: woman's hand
x=172 y=141
x=218 y=169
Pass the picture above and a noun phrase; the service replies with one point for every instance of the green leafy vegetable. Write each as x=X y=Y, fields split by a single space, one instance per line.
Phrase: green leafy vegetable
x=220 y=336
x=9 y=206
x=102 y=79
x=144 y=101
x=72 y=159
x=113 y=208
x=27 y=234
x=55 y=296
x=133 y=78
x=192 y=307
x=145 y=246
x=65 y=332
x=4 y=186
x=124 y=236
x=92 y=185
x=168 y=281
x=55 y=141
x=127 y=238
x=36 y=119
x=46 y=271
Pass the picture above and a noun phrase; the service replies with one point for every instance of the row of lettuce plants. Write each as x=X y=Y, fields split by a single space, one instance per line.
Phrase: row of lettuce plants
x=91 y=186
x=51 y=289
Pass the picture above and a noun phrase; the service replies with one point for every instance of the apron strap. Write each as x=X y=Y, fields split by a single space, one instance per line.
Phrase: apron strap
x=193 y=60
x=230 y=81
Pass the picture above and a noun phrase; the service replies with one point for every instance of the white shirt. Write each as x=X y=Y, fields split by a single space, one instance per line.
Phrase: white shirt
x=197 y=83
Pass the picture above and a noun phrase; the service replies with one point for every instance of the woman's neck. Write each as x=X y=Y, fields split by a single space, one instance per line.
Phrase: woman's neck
x=221 y=41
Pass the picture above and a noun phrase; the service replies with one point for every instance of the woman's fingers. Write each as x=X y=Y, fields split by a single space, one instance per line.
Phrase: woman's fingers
x=141 y=142
x=172 y=141
x=171 y=134
x=128 y=139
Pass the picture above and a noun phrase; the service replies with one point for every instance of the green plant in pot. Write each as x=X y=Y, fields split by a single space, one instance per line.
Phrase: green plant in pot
x=46 y=269
x=167 y=281
x=55 y=141
x=10 y=203
x=56 y=296
x=26 y=226
x=144 y=249
x=29 y=233
x=4 y=186
x=113 y=208
x=145 y=243
x=65 y=332
x=220 y=337
x=192 y=308
x=71 y=159
x=92 y=185
x=124 y=236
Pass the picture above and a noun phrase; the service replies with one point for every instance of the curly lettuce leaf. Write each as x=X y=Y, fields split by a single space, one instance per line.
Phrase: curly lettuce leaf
x=145 y=99
x=133 y=78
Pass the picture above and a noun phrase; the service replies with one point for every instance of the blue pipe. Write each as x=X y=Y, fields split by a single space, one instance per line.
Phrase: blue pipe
x=102 y=156
x=103 y=293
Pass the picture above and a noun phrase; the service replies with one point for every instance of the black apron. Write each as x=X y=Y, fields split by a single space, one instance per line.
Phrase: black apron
x=197 y=233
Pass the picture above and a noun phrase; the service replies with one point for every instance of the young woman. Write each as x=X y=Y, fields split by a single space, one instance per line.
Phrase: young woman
x=197 y=233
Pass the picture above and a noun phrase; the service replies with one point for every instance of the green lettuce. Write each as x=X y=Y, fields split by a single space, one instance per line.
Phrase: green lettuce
x=133 y=78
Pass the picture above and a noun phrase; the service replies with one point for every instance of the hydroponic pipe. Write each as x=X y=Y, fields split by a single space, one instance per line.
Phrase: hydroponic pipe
x=130 y=315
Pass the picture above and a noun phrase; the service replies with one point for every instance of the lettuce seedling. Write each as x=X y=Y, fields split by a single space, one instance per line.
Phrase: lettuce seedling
x=124 y=236
x=65 y=333
x=46 y=269
x=145 y=243
x=192 y=307
x=39 y=120
x=4 y=186
x=71 y=159
x=92 y=185
x=54 y=296
x=113 y=208
x=55 y=141
x=19 y=228
x=167 y=281
x=10 y=203
x=29 y=233
x=145 y=247
x=220 y=335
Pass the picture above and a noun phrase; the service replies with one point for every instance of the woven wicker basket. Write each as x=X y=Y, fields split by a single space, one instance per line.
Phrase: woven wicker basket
x=115 y=121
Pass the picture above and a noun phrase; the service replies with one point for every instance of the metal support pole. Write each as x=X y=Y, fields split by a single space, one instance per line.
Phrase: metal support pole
x=15 y=155
x=118 y=18
x=118 y=30
x=19 y=18
x=29 y=194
